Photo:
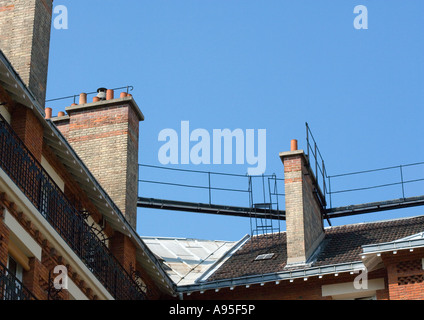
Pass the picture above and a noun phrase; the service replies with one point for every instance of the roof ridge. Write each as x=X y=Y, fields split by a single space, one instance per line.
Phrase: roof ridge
x=374 y=222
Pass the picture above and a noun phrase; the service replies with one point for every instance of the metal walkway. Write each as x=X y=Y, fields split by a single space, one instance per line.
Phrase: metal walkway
x=252 y=210
x=375 y=207
x=398 y=182
x=209 y=208
x=277 y=214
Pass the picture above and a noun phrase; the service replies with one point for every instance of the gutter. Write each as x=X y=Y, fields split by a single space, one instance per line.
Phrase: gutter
x=393 y=246
x=274 y=277
x=28 y=95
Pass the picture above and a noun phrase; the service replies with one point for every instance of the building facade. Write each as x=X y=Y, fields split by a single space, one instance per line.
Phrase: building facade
x=62 y=236
x=68 y=206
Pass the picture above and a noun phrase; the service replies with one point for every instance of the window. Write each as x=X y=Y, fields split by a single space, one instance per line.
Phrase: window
x=15 y=268
x=13 y=287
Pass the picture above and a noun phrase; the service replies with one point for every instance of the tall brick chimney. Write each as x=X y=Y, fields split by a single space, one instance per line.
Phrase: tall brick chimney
x=105 y=134
x=304 y=223
x=25 y=40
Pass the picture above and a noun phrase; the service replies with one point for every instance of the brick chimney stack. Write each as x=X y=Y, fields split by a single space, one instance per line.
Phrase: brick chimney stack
x=304 y=223
x=105 y=135
x=25 y=40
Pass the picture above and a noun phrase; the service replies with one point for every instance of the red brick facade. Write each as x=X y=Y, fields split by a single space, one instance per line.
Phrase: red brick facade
x=405 y=274
x=29 y=129
x=124 y=250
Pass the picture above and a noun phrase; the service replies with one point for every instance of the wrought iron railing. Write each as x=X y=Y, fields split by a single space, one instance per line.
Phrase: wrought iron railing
x=11 y=288
x=28 y=174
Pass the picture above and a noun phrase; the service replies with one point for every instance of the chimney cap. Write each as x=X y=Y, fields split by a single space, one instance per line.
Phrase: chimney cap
x=101 y=93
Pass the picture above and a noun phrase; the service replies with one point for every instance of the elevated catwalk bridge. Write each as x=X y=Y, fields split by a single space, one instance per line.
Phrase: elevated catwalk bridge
x=277 y=213
x=261 y=198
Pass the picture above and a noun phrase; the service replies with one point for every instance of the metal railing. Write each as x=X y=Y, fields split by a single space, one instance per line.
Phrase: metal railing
x=325 y=182
x=317 y=165
x=260 y=195
x=75 y=96
x=28 y=174
x=11 y=288
x=396 y=175
x=205 y=181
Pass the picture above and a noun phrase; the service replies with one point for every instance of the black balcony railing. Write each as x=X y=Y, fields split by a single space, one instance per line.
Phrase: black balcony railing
x=11 y=288
x=27 y=173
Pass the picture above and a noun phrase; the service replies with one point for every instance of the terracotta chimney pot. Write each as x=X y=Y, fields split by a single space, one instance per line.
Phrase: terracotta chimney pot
x=293 y=145
x=83 y=98
x=48 y=113
x=109 y=94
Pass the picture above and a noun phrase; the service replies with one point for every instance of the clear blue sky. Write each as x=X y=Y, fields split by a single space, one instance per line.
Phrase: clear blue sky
x=251 y=64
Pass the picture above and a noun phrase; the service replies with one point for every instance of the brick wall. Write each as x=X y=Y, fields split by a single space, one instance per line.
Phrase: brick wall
x=405 y=274
x=31 y=279
x=25 y=39
x=124 y=250
x=4 y=238
x=304 y=224
x=29 y=129
x=105 y=137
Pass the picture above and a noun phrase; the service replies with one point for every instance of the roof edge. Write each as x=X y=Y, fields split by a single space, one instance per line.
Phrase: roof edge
x=274 y=277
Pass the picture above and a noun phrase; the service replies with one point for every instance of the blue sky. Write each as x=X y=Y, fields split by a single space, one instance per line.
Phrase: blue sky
x=252 y=64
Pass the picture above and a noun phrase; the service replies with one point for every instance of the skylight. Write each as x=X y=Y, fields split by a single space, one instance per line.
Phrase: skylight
x=266 y=256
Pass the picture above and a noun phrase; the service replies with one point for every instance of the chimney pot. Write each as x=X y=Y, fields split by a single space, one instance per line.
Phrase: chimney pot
x=61 y=114
x=294 y=145
x=109 y=94
x=123 y=94
x=48 y=113
x=83 y=98
x=96 y=99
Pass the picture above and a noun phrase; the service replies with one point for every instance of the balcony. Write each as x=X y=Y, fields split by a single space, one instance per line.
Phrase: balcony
x=11 y=288
x=21 y=166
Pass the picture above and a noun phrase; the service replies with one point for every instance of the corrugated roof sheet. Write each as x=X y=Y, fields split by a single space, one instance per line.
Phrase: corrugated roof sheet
x=185 y=260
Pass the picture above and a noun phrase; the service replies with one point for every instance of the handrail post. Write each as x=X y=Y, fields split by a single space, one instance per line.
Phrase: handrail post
x=307 y=139
x=401 y=177
x=329 y=192
x=210 y=191
x=323 y=181
x=316 y=162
